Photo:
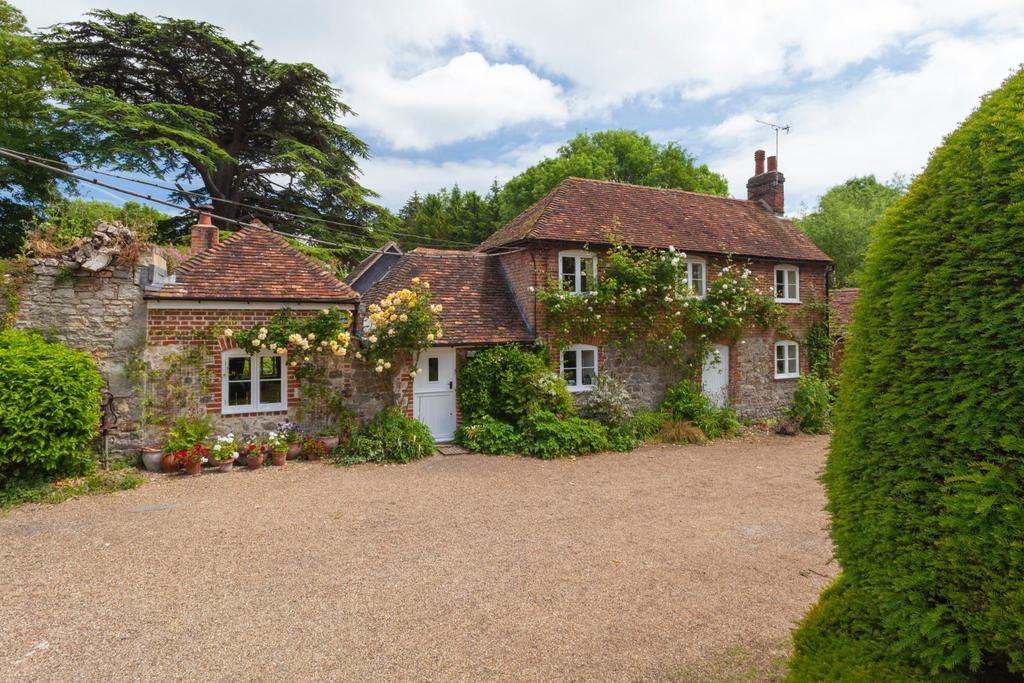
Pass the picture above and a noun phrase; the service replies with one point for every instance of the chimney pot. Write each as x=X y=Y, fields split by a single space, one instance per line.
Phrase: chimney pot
x=773 y=164
x=767 y=188
x=759 y=162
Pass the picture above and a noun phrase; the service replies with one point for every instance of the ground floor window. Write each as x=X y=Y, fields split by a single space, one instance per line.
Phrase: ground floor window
x=787 y=359
x=579 y=366
x=253 y=383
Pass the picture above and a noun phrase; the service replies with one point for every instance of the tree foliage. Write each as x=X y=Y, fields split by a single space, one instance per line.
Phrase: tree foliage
x=926 y=473
x=452 y=214
x=623 y=156
x=175 y=97
x=28 y=124
x=65 y=220
x=841 y=223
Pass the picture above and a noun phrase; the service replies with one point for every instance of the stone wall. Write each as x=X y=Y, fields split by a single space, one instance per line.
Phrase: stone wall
x=101 y=313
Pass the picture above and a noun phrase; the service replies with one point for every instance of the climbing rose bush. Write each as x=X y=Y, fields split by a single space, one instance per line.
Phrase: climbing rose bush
x=405 y=320
x=298 y=335
x=643 y=296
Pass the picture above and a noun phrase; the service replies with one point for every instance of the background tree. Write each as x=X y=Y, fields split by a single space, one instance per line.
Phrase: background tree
x=925 y=476
x=174 y=97
x=841 y=222
x=464 y=217
x=623 y=156
x=27 y=123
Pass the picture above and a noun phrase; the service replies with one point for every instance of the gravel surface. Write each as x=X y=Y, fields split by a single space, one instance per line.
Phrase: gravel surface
x=667 y=563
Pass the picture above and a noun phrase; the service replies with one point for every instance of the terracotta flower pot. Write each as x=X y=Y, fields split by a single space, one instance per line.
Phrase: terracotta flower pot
x=253 y=462
x=194 y=469
x=152 y=459
x=226 y=465
x=330 y=442
x=277 y=458
x=168 y=465
x=294 y=450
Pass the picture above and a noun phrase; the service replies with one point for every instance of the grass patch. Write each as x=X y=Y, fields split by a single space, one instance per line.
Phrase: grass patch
x=19 y=492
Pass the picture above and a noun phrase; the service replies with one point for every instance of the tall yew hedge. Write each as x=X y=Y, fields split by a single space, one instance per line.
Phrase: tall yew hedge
x=925 y=477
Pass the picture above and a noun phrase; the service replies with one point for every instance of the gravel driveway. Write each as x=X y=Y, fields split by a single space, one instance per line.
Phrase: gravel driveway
x=667 y=563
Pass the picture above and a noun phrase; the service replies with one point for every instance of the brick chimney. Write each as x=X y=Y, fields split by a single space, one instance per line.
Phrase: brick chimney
x=766 y=185
x=204 y=232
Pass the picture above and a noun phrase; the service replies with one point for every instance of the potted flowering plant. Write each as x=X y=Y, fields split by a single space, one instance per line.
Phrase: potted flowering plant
x=193 y=458
x=314 y=448
x=224 y=452
x=278 y=446
x=329 y=438
x=255 y=452
x=292 y=434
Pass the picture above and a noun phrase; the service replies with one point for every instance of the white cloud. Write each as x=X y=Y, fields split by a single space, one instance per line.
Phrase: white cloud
x=396 y=178
x=466 y=98
x=886 y=123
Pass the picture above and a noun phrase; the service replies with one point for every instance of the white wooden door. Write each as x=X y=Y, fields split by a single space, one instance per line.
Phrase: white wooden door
x=433 y=392
x=715 y=377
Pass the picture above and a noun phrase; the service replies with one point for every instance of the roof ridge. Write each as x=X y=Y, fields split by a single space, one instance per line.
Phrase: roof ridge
x=674 y=190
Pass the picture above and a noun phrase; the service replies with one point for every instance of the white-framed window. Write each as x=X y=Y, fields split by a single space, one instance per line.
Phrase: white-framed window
x=578 y=366
x=697 y=276
x=787 y=284
x=787 y=359
x=256 y=383
x=577 y=271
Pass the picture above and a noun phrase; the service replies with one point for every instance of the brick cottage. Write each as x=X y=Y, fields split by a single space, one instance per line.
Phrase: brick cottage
x=130 y=317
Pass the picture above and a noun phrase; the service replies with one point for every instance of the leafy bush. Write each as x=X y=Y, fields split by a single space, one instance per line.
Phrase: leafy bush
x=388 y=437
x=487 y=435
x=642 y=426
x=187 y=431
x=609 y=402
x=686 y=402
x=49 y=407
x=925 y=476
x=508 y=383
x=812 y=405
x=546 y=437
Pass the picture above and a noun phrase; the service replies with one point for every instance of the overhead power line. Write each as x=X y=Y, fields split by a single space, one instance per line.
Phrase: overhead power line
x=28 y=159
x=272 y=213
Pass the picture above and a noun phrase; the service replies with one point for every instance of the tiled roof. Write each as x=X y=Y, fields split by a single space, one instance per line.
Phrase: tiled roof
x=589 y=211
x=841 y=303
x=255 y=264
x=367 y=263
x=478 y=306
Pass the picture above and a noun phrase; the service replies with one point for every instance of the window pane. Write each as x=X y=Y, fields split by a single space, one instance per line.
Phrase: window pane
x=569 y=273
x=270 y=367
x=587 y=359
x=792 y=365
x=238 y=368
x=780 y=352
x=270 y=391
x=780 y=366
x=569 y=367
x=780 y=284
x=697 y=278
x=586 y=274
x=587 y=376
x=432 y=369
x=240 y=393
x=792 y=275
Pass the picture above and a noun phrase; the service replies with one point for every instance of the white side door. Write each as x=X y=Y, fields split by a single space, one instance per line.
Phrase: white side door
x=433 y=392
x=715 y=377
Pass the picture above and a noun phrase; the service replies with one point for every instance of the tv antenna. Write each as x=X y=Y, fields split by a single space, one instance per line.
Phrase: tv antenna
x=776 y=127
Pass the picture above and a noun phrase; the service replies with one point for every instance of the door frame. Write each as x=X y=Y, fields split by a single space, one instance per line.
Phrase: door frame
x=726 y=353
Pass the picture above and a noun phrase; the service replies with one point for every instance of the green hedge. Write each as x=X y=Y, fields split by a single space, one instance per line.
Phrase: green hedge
x=49 y=408
x=926 y=473
x=508 y=383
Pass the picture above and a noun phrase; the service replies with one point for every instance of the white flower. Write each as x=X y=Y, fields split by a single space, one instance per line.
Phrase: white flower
x=228 y=332
x=311 y=336
x=531 y=288
x=379 y=368
x=372 y=339
x=255 y=342
x=216 y=446
x=387 y=365
x=324 y=311
x=235 y=454
x=671 y=249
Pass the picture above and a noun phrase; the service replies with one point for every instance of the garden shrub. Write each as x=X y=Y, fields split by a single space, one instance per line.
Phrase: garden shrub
x=812 y=405
x=608 y=402
x=546 y=437
x=49 y=408
x=508 y=383
x=187 y=431
x=686 y=402
x=388 y=437
x=642 y=426
x=682 y=431
x=487 y=435
x=925 y=477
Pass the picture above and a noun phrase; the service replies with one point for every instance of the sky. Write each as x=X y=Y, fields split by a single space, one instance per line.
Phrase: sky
x=466 y=92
